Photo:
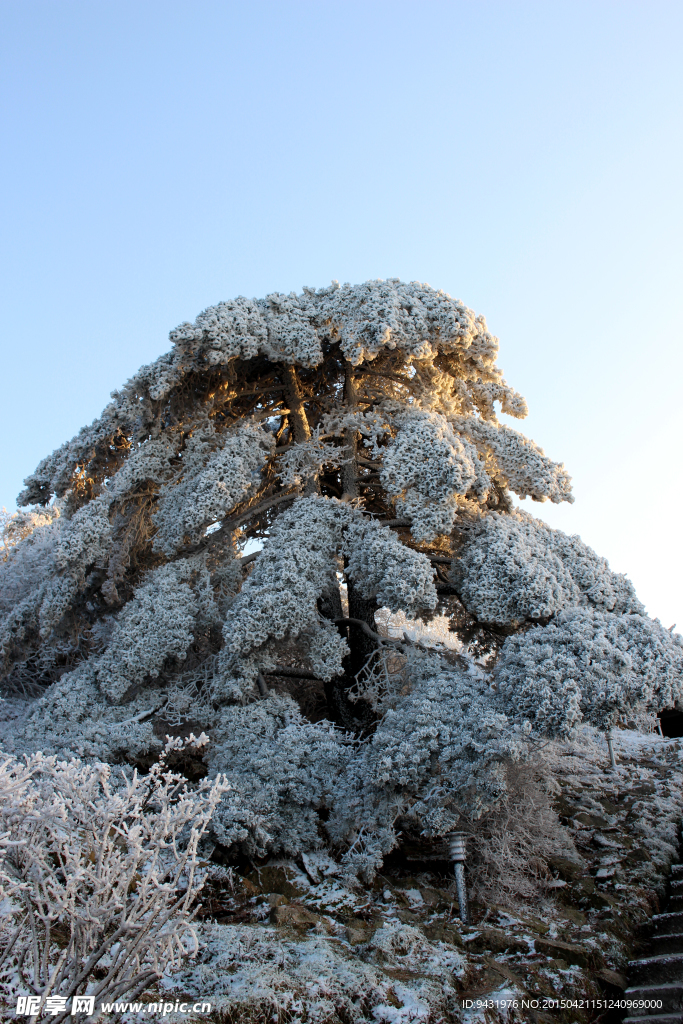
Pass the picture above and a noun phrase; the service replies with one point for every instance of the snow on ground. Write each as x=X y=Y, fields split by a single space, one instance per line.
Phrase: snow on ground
x=290 y=943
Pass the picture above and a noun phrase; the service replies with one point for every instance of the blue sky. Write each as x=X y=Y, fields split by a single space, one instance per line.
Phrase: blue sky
x=526 y=157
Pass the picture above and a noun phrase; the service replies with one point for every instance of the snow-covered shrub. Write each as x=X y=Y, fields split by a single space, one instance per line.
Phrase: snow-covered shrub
x=45 y=572
x=412 y=318
x=84 y=539
x=383 y=568
x=514 y=567
x=222 y=332
x=278 y=326
x=28 y=561
x=283 y=769
x=438 y=752
x=17 y=526
x=326 y=650
x=302 y=462
x=74 y=719
x=99 y=870
x=259 y=974
x=298 y=562
x=152 y=461
x=103 y=708
x=373 y=424
x=590 y=665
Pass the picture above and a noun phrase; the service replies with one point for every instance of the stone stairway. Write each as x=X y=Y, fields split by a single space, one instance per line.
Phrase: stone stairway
x=658 y=977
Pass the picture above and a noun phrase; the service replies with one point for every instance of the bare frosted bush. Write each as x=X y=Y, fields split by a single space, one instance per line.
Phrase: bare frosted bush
x=99 y=874
x=509 y=848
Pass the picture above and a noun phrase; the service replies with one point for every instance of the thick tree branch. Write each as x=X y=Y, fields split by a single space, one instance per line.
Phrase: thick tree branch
x=246 y=559
x=301 y=428
x=297 y=409
x=257 y=509
x=406 y=382
x=295 y=673
x=366 y=629
x=260 y=391
x=393 y=641
x=266 y=414
x=262 y=685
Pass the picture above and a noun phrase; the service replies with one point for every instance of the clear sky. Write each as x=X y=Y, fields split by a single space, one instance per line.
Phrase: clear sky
x=159 y=156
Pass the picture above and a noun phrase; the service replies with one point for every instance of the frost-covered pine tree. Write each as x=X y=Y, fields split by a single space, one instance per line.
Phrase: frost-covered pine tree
x=210 y=553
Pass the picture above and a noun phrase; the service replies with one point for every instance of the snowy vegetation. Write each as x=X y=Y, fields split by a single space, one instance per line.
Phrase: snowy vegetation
x=210 y=554
x=93 y=864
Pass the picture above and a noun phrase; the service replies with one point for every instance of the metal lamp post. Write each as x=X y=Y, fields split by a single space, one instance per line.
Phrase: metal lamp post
x=458 y=854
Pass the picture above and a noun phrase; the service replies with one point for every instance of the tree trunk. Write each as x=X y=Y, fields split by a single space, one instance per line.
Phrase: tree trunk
x=350 y=487
x=362 y=645
x=354 y=716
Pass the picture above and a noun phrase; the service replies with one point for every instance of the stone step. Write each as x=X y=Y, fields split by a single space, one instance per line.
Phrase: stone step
x=676 y=885
x=656 y=1018
x=651 y=970
x=662 y=944
x=677 y=870
x=667 y=924
x=669 y=996
x=675 y=903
